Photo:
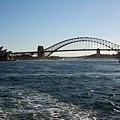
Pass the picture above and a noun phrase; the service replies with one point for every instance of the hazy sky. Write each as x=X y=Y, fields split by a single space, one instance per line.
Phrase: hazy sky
x=25 y=24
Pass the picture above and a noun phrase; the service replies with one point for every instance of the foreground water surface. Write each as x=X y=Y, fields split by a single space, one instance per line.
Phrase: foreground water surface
x=60 y=90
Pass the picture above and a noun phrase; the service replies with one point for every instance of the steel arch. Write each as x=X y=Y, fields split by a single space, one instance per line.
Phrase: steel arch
x=61 y=44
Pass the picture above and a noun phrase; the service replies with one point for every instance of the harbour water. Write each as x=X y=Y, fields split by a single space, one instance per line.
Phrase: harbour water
x=60 y=90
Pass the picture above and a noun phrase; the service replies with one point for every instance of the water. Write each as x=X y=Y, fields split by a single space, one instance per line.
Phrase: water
x=60 y=90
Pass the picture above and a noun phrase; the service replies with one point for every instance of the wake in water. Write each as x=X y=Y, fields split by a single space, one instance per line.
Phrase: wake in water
x=29 y=104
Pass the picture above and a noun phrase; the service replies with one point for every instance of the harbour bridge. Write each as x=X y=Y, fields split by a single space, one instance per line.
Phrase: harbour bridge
x=75 y=44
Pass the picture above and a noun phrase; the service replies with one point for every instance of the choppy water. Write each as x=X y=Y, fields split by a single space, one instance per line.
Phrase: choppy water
x=60 y=90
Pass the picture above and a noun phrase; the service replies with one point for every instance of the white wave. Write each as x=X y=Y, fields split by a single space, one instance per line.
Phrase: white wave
x=33 y=102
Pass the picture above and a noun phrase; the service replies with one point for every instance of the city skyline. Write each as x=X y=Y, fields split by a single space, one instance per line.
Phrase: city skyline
x=27 y=24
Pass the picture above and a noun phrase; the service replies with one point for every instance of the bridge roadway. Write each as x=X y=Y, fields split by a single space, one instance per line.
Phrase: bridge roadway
x=35 y=52
x=84 y=50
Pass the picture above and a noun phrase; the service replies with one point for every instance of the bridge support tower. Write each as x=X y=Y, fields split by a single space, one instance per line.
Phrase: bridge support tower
x=40 y=52
x=119 y=56
x=98 y=52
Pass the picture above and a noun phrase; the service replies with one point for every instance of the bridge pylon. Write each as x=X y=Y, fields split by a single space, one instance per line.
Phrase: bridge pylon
x=118 y=56
x=40 y=52
x=98 y=52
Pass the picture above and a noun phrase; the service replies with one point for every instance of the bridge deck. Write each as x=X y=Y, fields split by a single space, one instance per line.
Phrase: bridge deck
x=84 y=50
x=35 y=52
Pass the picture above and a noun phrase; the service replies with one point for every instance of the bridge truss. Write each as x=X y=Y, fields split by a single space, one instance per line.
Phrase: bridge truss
x=89 y=43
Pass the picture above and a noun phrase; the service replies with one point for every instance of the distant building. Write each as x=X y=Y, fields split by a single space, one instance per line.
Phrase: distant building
x=4 y=54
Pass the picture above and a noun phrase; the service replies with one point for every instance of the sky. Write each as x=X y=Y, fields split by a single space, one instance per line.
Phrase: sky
x=25 y=24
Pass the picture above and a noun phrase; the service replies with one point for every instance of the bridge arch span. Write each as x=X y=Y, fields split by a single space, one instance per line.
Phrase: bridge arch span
x=57 y=46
